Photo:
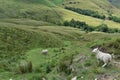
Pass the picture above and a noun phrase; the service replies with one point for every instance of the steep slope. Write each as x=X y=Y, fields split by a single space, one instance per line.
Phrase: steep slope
x=16 y=39
x=102 y=6
x=45 y=11
x=32 y=10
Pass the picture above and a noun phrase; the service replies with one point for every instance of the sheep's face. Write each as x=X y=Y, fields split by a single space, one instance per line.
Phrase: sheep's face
x=95 y=50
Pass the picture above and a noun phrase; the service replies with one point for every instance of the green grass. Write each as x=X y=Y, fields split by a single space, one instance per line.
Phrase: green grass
x=45 y=2
x=14 y=12
x=24 y=32
x=28 y=22
x=15 y=9
x=102 y=6
x=86 y=68
x=57 y=2
x=75 y=44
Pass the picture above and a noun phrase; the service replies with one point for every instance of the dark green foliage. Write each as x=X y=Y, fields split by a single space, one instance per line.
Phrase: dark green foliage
x=102 y=28
x=64 y=64
x=87 y=12
x=114 y=18
x=78 y=24
x=88 y=63
x=87 y=28
x=30 y=66
x=25 y=67
x=48 y=69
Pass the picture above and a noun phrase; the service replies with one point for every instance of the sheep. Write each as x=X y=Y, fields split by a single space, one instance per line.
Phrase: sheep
x=74 y=78
x=44 y=51
x=43 y=78
x=105 y=57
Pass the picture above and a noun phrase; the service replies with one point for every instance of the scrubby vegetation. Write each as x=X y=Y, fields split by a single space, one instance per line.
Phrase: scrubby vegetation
x=87 y=28
x=112 y=47
x=114 y=18
x=14 y=42
x=87 y=12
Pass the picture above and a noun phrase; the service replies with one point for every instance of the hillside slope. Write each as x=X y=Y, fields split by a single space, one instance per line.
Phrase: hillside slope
x=16 y=39
x=29 y=26
x=45 y=11
x=102 y=6
x=32 y=10
x=67 y=47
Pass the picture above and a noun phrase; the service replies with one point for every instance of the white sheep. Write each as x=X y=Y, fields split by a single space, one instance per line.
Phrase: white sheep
x=74 y=78
x=105 y=57
x=44 y=51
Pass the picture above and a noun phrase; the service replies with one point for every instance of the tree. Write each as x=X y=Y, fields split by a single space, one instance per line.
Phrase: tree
x=102 y=27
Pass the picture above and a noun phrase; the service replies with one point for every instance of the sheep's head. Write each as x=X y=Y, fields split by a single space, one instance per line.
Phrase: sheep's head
x=95 y=50
x=44 y=51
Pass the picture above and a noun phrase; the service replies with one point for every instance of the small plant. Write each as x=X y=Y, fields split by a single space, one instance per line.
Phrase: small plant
x=88 y=63
x=64 y=64
x=38 y=70
x=37 y=77
x=25 y=67
x=99 y=70
x=30 y=66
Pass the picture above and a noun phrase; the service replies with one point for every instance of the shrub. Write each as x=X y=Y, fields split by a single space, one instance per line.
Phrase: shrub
x=87 y=28
x=25 y=67
x=102 y=28
x=87 y=12
x=99 y=70
x=88 y=63
x=64 y=64
x=114 y=18
x=38 y=77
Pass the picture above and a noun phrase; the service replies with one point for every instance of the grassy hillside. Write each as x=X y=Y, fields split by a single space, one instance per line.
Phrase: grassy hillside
x=19 y=9
x=43 y=12
x=29 y=26
x=17 y=38
x=102 y=6
x=67 y=47
x=68 y=15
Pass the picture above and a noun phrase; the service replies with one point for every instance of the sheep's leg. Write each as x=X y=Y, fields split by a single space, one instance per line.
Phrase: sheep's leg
x=104 y=65
x=98 y=61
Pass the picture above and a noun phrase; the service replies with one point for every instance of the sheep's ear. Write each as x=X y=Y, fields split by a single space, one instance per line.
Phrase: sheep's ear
x=97 y=48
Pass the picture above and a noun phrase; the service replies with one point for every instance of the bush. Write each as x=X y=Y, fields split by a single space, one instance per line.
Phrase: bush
x=99 y=70
x=88 y=63
x=64 y=64
x=87 y=28
x=102 y=28
x=25 y=67
x=38 y=77
x=114 y=18
x=87 y=12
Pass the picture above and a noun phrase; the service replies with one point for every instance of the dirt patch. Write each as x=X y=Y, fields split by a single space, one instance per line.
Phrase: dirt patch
x=106 y=77
x=117 y=64
x=80 y=58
